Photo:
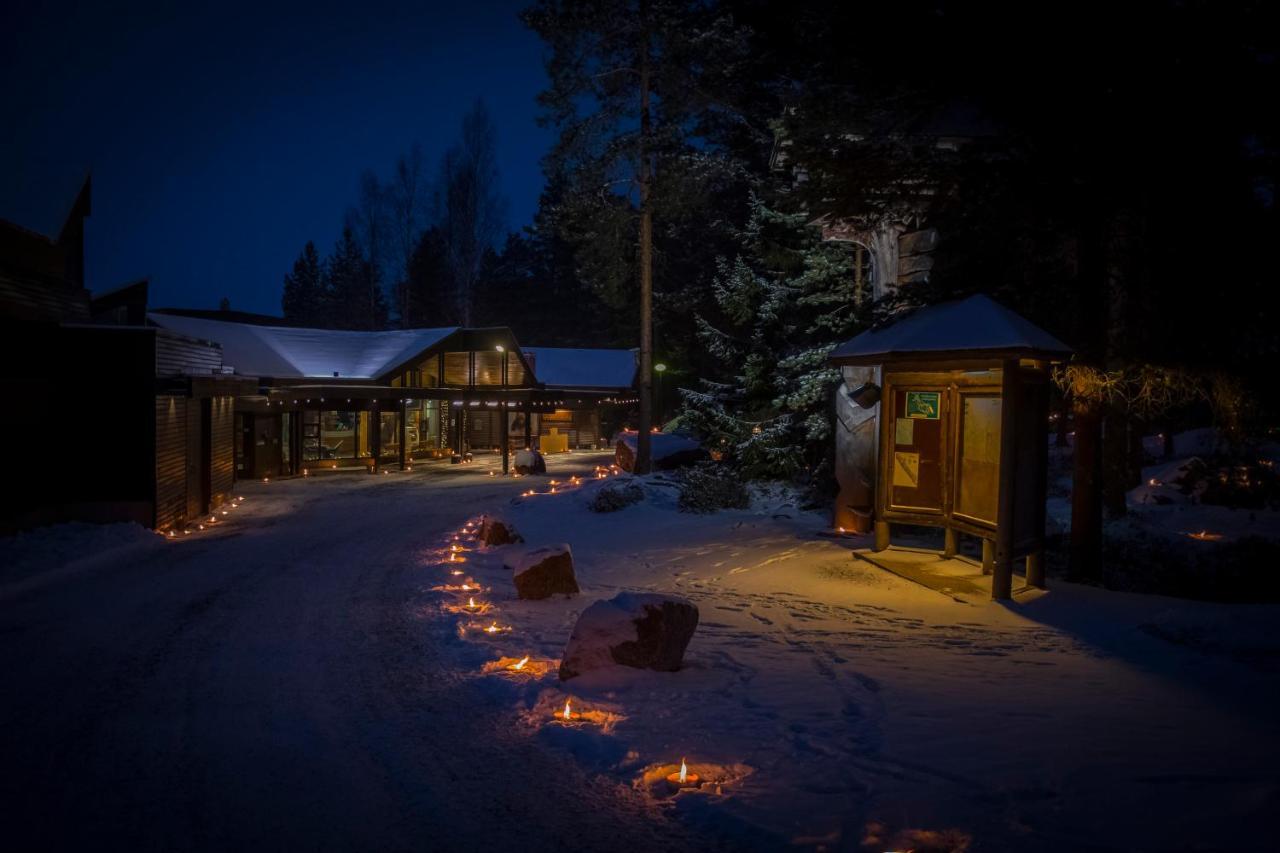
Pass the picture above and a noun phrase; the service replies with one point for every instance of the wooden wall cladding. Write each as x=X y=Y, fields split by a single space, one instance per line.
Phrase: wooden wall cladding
x=180 y=356
x=171 y=462
x=222 y=466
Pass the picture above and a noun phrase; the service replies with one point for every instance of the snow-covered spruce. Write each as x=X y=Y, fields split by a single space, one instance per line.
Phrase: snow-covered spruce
x=640 y=630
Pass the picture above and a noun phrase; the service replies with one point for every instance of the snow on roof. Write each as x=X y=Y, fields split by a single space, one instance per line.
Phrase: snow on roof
x=305 y=353
x=974 y=324
x=558 y=367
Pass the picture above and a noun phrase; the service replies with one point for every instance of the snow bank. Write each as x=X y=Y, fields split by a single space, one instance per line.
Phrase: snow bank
x=33 y=552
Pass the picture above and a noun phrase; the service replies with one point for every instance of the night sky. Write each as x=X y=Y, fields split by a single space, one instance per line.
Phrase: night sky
x=222 y=138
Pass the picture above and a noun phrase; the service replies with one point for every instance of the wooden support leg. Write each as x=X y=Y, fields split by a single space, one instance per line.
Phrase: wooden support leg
x=882 y=536
x=1035 y=569
x=949 y=543
x=988 y=556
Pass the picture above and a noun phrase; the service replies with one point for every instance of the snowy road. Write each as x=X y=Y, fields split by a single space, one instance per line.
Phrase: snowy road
x=266 y=687
x=297 y=680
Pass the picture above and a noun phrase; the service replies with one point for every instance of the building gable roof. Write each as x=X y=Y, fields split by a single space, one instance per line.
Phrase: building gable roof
x=294 y=353
x=976 y=326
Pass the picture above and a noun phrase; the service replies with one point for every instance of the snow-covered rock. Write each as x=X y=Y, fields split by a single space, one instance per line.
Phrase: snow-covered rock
x=641 y=630
x=667 y=450
x=543 y=572
x=497 y=531
x=530 y=462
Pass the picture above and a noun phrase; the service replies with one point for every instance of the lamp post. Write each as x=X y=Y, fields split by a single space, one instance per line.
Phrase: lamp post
x=659 y=369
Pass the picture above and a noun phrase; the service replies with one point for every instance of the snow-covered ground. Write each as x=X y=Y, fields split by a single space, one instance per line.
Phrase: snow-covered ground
x=309 y=662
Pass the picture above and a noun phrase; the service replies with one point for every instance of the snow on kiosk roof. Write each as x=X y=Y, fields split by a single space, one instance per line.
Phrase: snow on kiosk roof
x=306 y=353
x=976 y=326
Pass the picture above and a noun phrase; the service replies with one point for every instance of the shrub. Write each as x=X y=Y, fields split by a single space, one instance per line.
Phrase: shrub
x=616 y=495
x=708 y=487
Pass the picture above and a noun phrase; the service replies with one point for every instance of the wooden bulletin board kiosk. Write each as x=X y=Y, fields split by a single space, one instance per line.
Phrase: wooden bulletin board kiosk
x=962 y=429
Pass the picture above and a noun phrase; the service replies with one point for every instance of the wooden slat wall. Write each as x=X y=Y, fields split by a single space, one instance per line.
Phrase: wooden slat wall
x=193 y=467
x=32 y=299
x=223 y=466
x=179 y=356
x=171 y=462
x=587 y=424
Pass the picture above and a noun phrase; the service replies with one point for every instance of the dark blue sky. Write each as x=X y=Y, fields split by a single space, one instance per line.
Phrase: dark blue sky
x=221 y=138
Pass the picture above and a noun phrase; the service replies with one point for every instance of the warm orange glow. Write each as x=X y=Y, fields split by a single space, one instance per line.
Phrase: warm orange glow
x=456 y=572
x=493 y=628
x=567 y=714
x=684 y=771
x=1206 y=536
x=520 y=664
x=471 y=602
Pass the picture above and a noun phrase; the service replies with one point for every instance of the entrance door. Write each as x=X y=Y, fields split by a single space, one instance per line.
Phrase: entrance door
x=918 y=449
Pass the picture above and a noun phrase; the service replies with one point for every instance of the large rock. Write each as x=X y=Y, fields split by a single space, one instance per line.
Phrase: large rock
x=530 y=462
x=496 y=531
x=543 y=572
x=641 y=630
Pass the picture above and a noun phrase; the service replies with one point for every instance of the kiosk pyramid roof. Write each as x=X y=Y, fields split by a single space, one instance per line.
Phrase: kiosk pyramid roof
x=975 y=326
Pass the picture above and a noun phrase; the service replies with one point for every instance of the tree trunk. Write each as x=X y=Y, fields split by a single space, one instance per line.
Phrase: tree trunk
x=643 y=461
x=1115 y=460
x=1086 y=499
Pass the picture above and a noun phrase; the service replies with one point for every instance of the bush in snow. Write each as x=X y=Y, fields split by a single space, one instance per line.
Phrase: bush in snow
x=616 y=495
x=709 y=487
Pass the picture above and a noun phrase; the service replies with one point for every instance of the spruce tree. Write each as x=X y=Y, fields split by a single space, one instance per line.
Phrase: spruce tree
x=306 y=298
x=783 y=303
x=356 y=286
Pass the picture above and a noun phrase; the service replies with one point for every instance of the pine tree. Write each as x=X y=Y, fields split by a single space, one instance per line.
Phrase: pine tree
x=306 y=297
x=783 y=303
x=628 y=93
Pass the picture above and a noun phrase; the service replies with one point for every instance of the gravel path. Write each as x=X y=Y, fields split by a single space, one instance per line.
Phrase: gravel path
x=268 y=687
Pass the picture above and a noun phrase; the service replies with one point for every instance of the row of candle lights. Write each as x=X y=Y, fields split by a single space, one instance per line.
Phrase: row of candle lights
x=213 y=520
x=567 y=715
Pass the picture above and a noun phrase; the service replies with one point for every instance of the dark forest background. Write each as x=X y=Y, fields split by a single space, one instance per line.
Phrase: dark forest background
x=1106 y=170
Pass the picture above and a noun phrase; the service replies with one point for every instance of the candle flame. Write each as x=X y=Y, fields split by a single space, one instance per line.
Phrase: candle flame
x=520 y=665
x=471 y=602
x=492 y=629
x=567 y=714
x=684 y=772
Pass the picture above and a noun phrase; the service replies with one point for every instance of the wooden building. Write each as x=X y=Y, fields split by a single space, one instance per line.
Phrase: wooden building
x=326 y=398
x=944 y=423
x=107 y=418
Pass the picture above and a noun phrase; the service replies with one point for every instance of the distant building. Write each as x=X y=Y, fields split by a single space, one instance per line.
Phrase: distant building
x=109 y=418
x=118 y=413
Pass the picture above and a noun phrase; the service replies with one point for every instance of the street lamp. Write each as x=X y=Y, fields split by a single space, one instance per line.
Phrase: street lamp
x=659 y=369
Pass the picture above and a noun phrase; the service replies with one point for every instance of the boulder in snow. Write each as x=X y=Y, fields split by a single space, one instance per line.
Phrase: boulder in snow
x=667 y=450
x=496 y=531
x=641 y=630
x=530 y=462
x=543 y=572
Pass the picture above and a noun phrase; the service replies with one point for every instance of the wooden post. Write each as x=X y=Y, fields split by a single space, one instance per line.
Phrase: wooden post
x=882 y=535
x=988 y=556
x=375 y=435
x=949 y=543
x=1035 y=569
x=505 y=438
x=462 y=428
x=528 y=425
x=404 y=433
x=1002 y=573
